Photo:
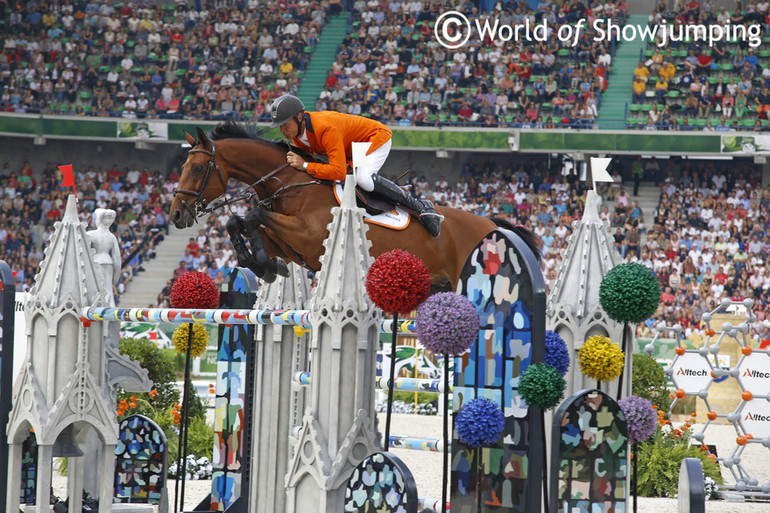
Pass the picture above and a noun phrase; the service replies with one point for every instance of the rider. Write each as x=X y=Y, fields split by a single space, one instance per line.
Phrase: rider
x=332 y=134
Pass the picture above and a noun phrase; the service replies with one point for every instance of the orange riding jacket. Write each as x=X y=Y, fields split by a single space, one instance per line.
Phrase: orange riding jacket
x=333 y=134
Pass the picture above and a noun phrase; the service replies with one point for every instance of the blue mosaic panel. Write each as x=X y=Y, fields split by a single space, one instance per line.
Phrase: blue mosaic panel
x=233 y=392
x=381 y=483
x=502 y=279
x=29 y=469
x=590 y=454
x=140 y=461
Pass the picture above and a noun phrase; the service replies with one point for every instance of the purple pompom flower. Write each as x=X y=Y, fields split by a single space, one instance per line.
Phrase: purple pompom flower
x=447 y=323
x=641 y=418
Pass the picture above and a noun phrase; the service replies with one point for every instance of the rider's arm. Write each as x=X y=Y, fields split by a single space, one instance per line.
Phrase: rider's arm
x=334 y=146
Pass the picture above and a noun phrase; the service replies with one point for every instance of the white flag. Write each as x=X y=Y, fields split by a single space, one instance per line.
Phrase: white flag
x=599 y=170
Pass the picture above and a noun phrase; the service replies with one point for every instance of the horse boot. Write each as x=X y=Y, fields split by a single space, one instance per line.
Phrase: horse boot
x=428 y=216
x=275 y=265
x=242 y=252
x=272 y=266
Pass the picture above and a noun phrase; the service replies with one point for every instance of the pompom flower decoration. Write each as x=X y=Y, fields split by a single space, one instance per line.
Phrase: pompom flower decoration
x=556 y=352
x=629 y=293
x=641 y=418
x=480 y=423
x=194 y=289
x=601 y=359
x=447 y=323
x=397 y=282
x=200 y=339
x=542 y=386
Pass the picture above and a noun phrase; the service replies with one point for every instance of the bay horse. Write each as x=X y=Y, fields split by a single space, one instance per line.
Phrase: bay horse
x=294 y=209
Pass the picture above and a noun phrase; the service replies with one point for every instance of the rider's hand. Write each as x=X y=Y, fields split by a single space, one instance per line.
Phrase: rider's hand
x=295 y=160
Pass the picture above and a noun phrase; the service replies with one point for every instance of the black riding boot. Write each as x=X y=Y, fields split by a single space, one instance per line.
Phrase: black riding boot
x=428 y=216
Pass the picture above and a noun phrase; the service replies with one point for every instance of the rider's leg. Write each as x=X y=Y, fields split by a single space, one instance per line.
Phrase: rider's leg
x=367 y=178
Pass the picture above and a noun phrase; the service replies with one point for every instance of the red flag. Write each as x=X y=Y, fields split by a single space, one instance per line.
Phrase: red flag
x=68 y=178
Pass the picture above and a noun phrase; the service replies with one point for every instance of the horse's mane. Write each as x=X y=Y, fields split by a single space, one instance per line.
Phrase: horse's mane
x=231 y=129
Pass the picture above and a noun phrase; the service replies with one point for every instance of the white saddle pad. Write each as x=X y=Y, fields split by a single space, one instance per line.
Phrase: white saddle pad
x=396 y=219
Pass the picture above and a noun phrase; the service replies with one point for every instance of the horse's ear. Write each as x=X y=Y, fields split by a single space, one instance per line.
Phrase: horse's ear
x=202 y=139
x=190 y=139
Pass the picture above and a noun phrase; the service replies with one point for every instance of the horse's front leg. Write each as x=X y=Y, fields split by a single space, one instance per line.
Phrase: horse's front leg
x=257 y=258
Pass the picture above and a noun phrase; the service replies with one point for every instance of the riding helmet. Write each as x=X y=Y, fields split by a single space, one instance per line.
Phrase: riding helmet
x=284 y=108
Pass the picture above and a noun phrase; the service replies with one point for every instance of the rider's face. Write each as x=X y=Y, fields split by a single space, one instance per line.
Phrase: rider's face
x=290 y=129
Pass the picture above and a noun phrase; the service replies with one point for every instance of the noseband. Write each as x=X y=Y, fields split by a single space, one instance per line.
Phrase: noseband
x=199 y=206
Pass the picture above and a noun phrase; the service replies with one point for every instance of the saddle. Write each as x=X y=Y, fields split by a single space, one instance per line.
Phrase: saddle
x=375 y=205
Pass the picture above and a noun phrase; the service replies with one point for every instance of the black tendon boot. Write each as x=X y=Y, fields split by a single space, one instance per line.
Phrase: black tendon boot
x=428 y=216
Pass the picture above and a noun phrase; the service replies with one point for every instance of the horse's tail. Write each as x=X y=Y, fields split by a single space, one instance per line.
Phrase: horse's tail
x=528 y=236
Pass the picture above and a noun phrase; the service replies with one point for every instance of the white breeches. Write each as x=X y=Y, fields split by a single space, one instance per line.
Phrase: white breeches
x=374 y=162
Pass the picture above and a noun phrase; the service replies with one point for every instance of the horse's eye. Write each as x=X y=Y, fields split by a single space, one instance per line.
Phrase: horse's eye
x=198 y=169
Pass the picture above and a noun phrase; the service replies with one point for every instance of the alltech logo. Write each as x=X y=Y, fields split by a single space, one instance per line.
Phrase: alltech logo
x=691 y=372
x=757 y=417
x=749 y=373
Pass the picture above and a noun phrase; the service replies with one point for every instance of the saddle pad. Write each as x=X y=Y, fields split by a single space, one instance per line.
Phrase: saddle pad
x=396 y=219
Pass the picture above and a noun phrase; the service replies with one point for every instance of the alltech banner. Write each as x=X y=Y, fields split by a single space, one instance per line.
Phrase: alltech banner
x=691 y=372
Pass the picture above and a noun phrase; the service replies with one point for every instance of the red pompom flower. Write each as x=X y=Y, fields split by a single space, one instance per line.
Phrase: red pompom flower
x=398 y=282
x=194 y=289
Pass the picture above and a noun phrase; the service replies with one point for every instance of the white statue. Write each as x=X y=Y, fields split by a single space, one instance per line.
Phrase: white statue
x=106 y=248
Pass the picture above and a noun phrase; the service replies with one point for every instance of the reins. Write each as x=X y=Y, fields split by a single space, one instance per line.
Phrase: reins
x=247 y=192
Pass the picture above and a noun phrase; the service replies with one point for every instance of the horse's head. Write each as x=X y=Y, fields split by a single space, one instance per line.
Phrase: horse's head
x=201 y=182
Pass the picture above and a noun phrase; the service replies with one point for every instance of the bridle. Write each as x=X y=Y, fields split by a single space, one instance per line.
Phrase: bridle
x=200 y=207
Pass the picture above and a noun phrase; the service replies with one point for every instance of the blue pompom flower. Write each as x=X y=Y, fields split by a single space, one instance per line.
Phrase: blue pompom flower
x=556 y=352
x=480 y=423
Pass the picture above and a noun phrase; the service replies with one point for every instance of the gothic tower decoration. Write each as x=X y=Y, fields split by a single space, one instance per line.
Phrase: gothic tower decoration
x=573 y=309
x=65 y=388
x=278 y=401
x=340 y=430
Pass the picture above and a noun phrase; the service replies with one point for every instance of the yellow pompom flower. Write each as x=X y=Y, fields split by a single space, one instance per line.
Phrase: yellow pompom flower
x=200 y=339
x=601 y=359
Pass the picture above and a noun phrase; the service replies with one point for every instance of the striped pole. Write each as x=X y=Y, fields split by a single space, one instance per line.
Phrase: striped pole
x=435 y=386
x=416 y=443
x=221 y=316
x=205 y=316
x=433 y=504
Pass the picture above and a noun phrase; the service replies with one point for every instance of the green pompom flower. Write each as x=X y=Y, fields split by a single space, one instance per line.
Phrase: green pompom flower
x=630 y=293
x=542 y=386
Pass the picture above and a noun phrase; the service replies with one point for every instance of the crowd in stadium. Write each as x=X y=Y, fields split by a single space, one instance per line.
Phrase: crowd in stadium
x=145 y=59
x=390 y=68
x=231 y=59
x=33 y=201
x=689 y=85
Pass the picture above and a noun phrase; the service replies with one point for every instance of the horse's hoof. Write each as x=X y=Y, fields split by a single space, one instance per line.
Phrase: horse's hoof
x=268 y=277
x=281 y=269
